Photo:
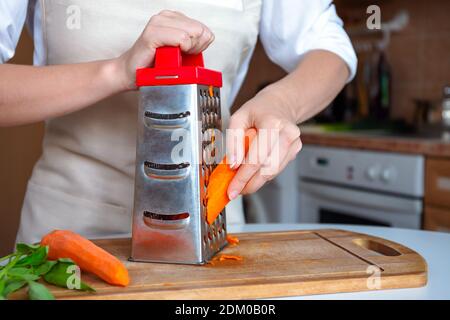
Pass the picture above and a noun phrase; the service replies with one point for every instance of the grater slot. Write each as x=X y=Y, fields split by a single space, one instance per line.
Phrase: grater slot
x=166 y=221
x=166 y=120
x=165 y=171
x=166 y=77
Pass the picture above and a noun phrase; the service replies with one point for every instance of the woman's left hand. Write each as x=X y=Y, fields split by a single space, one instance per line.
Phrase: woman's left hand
x=276 y=144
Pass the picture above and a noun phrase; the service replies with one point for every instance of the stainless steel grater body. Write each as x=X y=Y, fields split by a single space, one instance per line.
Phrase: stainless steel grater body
x=169 y=218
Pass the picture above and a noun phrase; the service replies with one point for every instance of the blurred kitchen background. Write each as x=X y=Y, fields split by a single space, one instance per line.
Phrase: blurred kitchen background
x=379 y=155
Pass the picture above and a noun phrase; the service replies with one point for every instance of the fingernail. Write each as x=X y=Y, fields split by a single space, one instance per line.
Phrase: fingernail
x=233 y=195
x=232 y=162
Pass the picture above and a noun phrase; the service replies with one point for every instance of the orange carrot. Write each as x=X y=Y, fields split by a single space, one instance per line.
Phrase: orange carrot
x=216 y=193
x=88 y=256
x=232 y=239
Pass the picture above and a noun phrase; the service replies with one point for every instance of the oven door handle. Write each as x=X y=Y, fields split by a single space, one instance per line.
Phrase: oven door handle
x=363 y=199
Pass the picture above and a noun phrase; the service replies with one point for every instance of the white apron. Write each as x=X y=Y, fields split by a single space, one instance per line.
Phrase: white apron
x=84 y=180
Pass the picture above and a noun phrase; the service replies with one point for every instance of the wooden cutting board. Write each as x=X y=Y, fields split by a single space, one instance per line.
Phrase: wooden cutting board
x=277 y=264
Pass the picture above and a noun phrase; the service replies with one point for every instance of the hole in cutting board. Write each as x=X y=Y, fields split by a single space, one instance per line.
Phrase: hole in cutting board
x=377 y=247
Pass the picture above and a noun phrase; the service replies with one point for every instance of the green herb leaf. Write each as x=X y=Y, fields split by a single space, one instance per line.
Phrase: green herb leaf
x=64 y=275
x=9 y=256
x=2 y=286
x=37 y=291
x=25 y=248
x=20 y=273
x=13 y=286
x=14 y=259
x=28 y=264
x=44 y=268
x=34 y=259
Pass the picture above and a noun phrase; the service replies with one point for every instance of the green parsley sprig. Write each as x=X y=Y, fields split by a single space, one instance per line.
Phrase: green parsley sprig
x=27 y=265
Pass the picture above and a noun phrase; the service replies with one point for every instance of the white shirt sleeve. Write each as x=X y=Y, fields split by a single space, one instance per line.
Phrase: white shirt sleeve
x=291 y=28
x=12 y=19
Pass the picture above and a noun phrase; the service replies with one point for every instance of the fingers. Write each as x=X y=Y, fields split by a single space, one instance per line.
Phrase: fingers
x=288 y=138
x=262 y=177
x=239 y=123
x=245 y=172
x=266 y=158
x=175 y=29
x=166 y=36
x=200 y=34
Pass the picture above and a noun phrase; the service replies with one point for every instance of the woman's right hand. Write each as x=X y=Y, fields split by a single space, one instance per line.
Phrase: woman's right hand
x=168 y=28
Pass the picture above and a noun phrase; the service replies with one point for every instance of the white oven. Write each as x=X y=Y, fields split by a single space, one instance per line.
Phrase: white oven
x=360 y=187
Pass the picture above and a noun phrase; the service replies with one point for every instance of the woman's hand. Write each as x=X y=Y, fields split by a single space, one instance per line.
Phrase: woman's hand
x=277 y=143
x=168 y=28
x=275 y=112
x=56 y=90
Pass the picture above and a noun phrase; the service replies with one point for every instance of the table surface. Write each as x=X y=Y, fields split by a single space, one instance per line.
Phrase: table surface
x=433 y=246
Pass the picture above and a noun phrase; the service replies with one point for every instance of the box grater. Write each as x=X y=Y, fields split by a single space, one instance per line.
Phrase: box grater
x=179 y=108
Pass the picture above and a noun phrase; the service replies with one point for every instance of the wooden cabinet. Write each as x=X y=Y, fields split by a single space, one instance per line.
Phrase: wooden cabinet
x=437 y=219
x=438 y=182
x=20 y=147
x=437 y=195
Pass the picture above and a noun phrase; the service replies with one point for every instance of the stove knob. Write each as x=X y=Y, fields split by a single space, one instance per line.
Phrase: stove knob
x=388 y=175
x=372 y=173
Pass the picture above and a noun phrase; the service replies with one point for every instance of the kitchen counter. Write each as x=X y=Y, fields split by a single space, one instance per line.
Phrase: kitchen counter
x=376 y=142
x=433 y=246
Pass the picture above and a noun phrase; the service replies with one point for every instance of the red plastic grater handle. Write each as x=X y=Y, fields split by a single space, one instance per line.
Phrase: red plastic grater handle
x=172 y=67
x=172 y=57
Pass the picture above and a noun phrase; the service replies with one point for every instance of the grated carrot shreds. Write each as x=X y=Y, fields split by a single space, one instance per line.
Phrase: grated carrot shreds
x=232 y=239
x=224 y=257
